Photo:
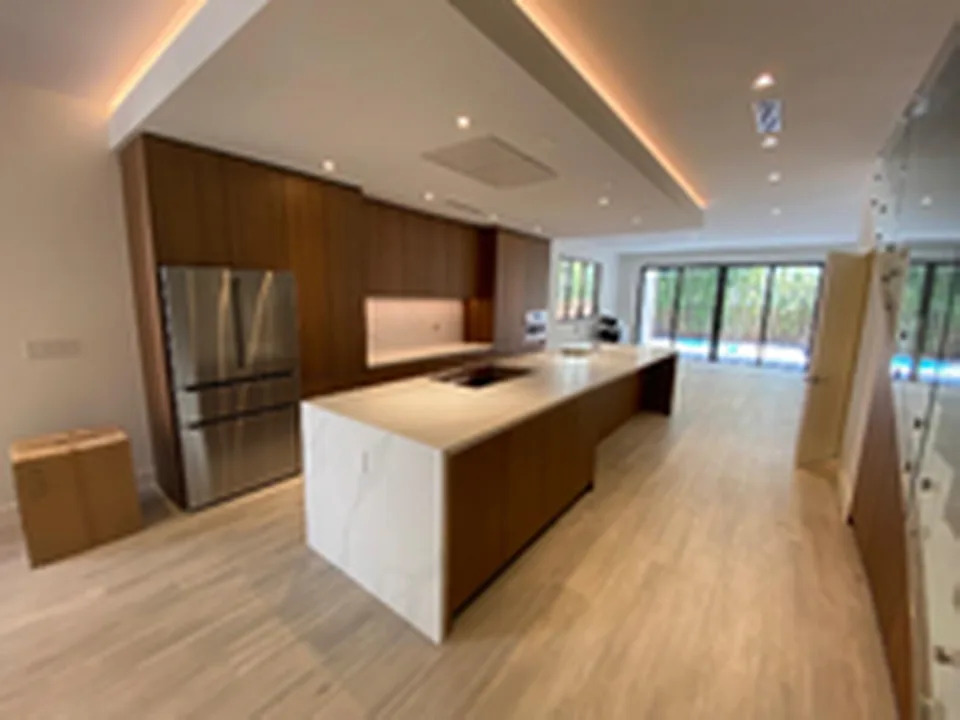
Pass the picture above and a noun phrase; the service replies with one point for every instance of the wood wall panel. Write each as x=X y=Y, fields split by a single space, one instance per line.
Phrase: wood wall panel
x=164 y=438
x=879 y=524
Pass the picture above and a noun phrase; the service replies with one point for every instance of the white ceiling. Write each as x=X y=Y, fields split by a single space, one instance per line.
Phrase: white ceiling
x=83 y=48
x=845 y=71
x=375 y=84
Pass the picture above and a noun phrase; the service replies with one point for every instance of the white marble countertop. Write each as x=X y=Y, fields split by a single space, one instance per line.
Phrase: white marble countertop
x=449 y=417
x=384 y=358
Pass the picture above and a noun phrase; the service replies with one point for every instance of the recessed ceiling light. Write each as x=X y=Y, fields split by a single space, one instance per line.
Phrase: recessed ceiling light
x=775 y=211
x=769 y=142
x=538 y=228
x=636 y=220
x=926 y=201
x=603 y=201
x=494 y=217
x=328 y=166
x=763 y=81
x=429 y=196
x=774 y=177
x=463 y=122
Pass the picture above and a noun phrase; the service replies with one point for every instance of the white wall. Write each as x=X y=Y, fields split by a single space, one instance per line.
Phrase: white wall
x=560 y=332
x=64 y=275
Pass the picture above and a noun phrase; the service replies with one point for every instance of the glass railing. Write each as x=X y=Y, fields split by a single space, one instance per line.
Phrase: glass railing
x=921 y=168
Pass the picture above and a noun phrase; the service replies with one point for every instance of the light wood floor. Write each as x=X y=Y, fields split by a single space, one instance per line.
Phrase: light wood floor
x=700 y=580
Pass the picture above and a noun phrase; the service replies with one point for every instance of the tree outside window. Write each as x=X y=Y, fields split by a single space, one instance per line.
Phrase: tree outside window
x=578 y=288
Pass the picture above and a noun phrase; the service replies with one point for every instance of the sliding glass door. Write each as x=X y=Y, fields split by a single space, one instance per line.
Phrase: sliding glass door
x=793 y=305
x=753 y=314
x=743 y=310
x=695 y=311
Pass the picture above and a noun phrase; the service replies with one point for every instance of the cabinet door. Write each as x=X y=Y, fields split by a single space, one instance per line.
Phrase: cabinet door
x=524 y=513
x=475 y=505
x=455 y=277
x=569 y=447
x=385 y=250
x=537 y=279
x=255 y=215
x=187 y=204
x=324 y=225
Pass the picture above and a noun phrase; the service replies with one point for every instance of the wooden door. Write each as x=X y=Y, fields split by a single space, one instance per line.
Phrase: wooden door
x=255 y=215
x=187 y=203
x=837 y=340
x=475 y=517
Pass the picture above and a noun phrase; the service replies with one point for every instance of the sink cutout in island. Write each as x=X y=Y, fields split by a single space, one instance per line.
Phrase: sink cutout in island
x=480 y=376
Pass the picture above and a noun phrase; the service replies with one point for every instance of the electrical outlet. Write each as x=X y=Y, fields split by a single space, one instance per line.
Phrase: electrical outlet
x=53 y=349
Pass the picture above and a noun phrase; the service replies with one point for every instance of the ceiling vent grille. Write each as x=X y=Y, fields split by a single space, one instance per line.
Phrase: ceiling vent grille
x=463 y=207
x=492 y=161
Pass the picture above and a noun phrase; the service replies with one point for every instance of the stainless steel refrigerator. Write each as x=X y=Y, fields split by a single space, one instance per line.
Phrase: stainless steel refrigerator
x=233 y=353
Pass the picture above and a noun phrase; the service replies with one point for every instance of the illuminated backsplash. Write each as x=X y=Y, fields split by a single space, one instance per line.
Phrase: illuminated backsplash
x=401 y=323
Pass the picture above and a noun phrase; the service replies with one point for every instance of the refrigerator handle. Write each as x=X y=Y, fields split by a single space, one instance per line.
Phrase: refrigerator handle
x=238 y=337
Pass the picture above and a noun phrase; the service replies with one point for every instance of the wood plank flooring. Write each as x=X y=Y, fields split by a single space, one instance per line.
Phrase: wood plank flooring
x=701 y=579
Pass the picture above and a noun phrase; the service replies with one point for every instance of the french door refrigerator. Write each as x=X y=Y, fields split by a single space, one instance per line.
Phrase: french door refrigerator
x=233 y=352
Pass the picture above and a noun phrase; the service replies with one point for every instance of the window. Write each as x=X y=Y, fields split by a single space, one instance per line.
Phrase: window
x=578 y=289
x=756 y=314
x=928 y=342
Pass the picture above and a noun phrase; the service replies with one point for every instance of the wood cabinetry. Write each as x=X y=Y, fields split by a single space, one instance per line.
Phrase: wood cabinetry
x=475 y=517
x=187 y=204
x=325 y=226
x=211 y=209
x=255 y=211
x=522 y=279
x=416 y=255
x=506 y=490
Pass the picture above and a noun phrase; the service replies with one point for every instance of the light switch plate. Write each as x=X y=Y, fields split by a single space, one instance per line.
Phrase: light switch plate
x=53 y=348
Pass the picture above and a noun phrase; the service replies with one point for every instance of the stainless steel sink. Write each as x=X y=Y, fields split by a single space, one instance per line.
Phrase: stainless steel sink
x=480 y=376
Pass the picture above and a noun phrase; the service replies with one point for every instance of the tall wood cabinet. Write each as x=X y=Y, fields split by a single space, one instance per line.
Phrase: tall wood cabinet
x=522 y=279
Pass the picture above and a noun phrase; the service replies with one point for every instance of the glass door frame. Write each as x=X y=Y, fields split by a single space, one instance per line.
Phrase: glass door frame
x=719 y=303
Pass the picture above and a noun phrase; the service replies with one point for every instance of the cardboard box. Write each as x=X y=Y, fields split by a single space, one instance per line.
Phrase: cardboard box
x=75 y=490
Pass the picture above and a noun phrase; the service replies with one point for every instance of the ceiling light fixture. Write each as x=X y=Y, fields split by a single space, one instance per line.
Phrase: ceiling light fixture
x=538 y=228
x=774 y=177
x=146 y=61
x=328 y=166
x=775 y=211
x=463 y=122
x=636 y=220
x=429 y=196
x=604 y=201
x=763 y=81
x=540 y=19
x=926 y=201
x=769 y=142
x=494 y=217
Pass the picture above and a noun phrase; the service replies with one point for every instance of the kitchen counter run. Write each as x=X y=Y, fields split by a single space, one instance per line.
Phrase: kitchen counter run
x=449 y=417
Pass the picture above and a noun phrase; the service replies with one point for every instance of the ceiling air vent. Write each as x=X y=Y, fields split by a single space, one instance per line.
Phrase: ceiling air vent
x=491 y=161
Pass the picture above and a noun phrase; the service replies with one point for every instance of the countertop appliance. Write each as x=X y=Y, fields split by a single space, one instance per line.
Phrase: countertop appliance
x=534 y=326
x=232 y=346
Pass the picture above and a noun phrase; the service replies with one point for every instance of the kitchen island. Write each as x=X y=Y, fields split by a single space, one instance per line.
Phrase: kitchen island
x=423 y=490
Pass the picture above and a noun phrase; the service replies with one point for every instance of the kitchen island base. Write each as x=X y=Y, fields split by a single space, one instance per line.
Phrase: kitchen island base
x=424 y=521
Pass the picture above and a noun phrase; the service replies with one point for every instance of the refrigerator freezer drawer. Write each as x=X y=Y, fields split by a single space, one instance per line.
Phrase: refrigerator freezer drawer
x=221 y=401
x=224 y=458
